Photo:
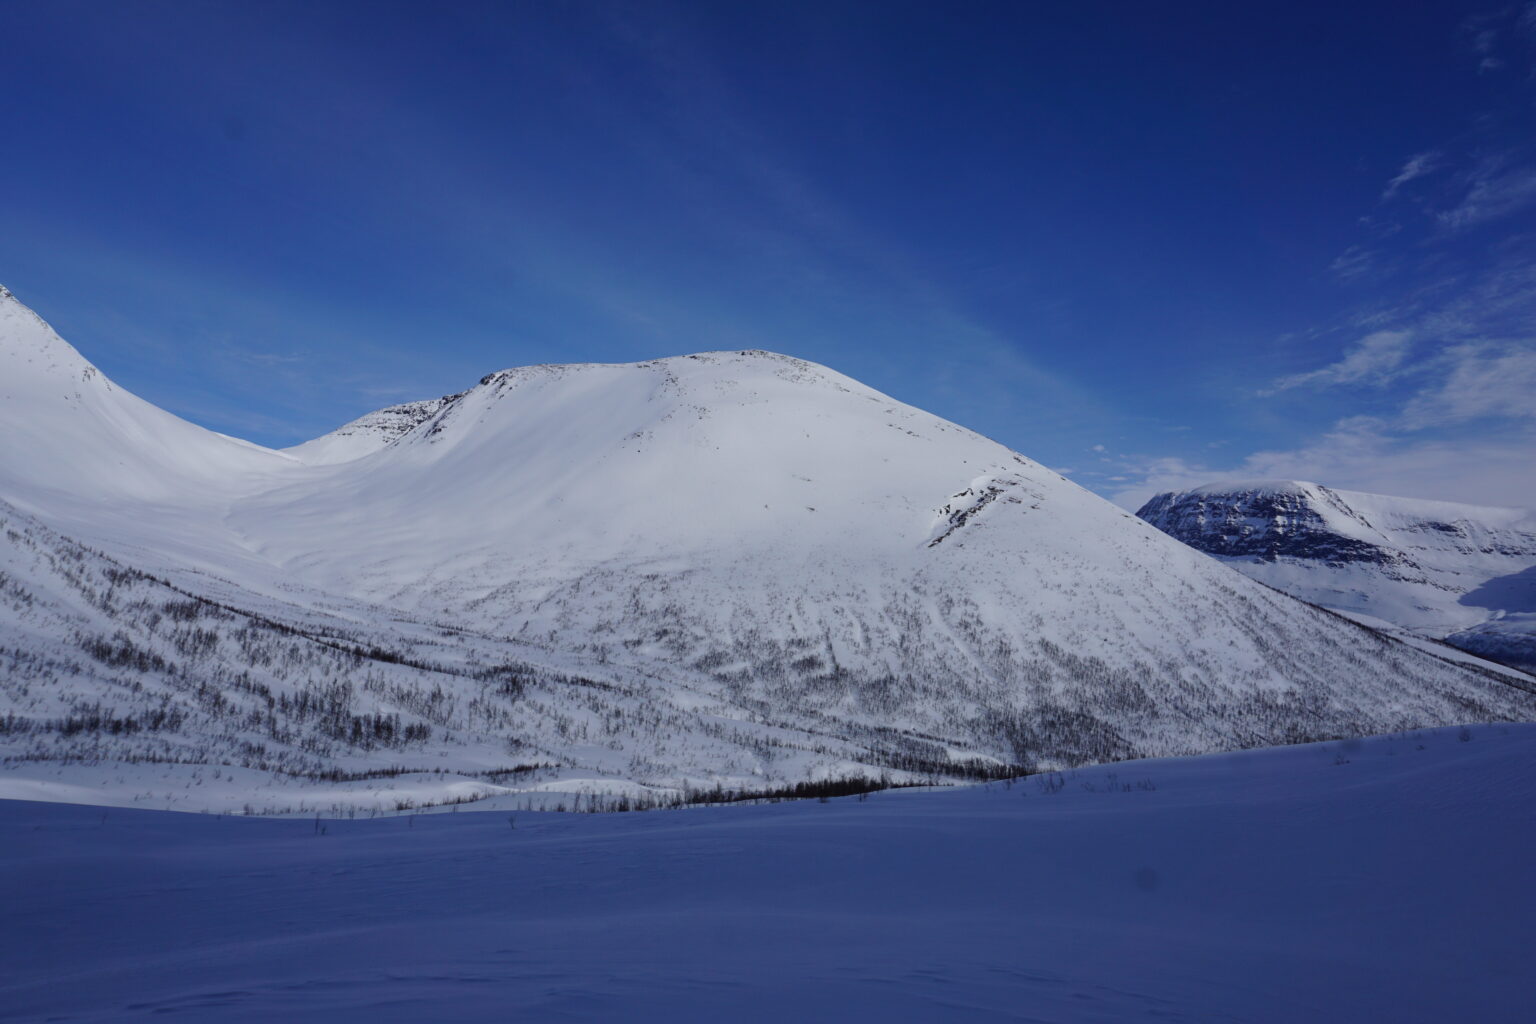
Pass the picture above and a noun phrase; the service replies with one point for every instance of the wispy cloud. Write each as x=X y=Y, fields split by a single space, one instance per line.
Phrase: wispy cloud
x=1356 y=261
x=1445 y=358
x=386 y=392
x=1464 y=431
x=1366 y=454
x=1371 y=360
x=1481 y=381
x=257 y=358
x=1457 y=370
x=1493 y=190
x=1417 y=166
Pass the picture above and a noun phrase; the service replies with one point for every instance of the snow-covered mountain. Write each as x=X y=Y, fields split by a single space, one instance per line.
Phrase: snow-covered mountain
x=732 y=568
x=1465 y=574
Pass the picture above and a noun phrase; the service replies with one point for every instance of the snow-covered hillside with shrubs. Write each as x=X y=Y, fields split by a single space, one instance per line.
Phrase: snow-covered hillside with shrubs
x=731 y=569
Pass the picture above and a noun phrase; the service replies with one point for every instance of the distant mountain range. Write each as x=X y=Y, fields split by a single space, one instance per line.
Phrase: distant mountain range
x=729 y=569
x=1464 y=574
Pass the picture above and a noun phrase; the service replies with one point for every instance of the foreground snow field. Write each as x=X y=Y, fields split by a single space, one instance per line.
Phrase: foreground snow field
x=1387 y=879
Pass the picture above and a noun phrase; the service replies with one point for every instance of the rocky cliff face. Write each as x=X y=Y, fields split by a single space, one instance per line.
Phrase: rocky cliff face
x=1268 y=522
x=367 y=434
x=1462 y=573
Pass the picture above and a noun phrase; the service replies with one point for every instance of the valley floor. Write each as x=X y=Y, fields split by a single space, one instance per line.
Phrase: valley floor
x=1387 y=879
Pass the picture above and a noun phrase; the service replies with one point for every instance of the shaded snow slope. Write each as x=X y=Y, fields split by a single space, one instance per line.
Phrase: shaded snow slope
x=1462 y=573
x=731 y=566
x=1387 y=880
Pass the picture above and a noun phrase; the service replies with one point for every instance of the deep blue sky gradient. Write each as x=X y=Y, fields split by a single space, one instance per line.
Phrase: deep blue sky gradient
x=1126 y=239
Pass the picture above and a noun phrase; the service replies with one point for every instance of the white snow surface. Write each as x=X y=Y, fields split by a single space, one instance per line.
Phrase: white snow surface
x=1387 y=879
x=733 y=567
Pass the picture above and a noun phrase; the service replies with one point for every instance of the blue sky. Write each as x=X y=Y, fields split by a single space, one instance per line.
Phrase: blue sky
x=1150 y=245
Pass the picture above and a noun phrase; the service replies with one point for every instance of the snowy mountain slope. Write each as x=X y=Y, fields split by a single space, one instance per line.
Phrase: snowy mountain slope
x=811 y=543
x=101 y=461
x=72 y=434
x=729 y=566
x=1387 y=879
x=354 y=706
x=1465 y=574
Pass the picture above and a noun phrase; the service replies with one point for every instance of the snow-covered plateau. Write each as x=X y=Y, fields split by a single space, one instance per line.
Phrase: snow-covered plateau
x=619 y=583
x=1381 y=880
x=1462 y=574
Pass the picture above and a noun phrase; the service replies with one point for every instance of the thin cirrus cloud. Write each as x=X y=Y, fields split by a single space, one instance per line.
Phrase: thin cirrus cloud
x=1493 y=191
x=1479 y=381
x=1466 y=431
x=1354 y=262
x=1436 y=400
x=1374 y=359
x=1453 y=362
x=1365 y=454
x=1417 y=166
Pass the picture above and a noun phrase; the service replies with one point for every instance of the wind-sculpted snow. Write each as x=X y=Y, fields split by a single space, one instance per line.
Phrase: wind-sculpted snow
x=735 y=568
x=1461 y=573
